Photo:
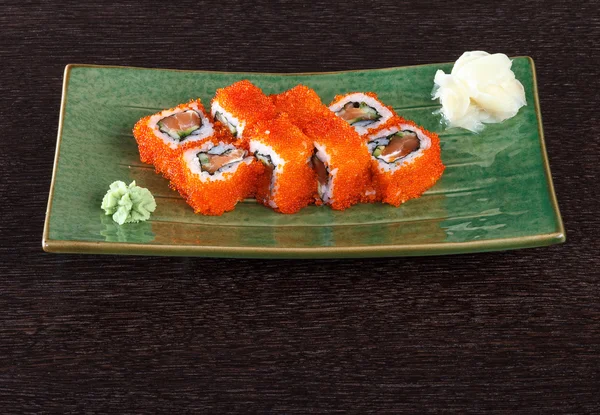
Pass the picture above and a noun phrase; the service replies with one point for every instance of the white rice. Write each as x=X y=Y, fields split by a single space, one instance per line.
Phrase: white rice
x=385 y=113
x=238 y=124
x=206 y=130
x=425 y=143
x=326 y=190
x=193 y=163
x=278 y=163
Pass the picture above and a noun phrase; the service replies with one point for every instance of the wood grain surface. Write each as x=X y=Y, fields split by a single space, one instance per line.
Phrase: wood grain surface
x=507 y=332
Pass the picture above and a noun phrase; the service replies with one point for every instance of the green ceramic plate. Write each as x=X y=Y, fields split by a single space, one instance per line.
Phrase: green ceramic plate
x=496 y=192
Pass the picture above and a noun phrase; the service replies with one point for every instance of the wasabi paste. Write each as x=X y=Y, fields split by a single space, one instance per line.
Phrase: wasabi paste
x=128 y=204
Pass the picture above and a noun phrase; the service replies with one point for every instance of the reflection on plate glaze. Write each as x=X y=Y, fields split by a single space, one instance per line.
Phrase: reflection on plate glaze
x=288 y=231
x=418 y=221
x=494 y=179
x=318 y=236
x=466 y=226
x=180 y=226
x=479 y=149
x=414 y=222
x=129 y=232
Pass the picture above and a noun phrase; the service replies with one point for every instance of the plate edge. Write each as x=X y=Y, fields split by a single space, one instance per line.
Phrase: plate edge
x=65 y=246
x=121 y=248
x=63 y=104
x=547 y=171
x=90 y=65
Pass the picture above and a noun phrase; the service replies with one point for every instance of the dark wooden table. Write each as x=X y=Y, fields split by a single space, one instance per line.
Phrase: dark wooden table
x=505 y=332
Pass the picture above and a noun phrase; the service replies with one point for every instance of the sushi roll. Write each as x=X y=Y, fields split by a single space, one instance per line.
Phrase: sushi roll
x=340 y=156
x=341 y=162
x=362 y=110
x=162 y=137
x=289 y=183
x=215 y=176
x=406 y=161
x=239 y=105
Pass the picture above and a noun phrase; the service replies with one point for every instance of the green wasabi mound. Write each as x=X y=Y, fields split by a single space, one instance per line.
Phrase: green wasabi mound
x=128 y=204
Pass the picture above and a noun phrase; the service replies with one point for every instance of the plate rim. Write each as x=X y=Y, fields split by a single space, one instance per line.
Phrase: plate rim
x=99 y=247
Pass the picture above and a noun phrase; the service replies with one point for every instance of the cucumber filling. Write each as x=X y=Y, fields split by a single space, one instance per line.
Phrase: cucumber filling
x=213 y=161
x=181 y=125
x=395 y=147
x=358 y=113
x=223 y=119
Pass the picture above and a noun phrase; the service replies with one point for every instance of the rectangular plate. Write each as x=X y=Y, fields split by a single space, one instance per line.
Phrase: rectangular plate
x=496 y=193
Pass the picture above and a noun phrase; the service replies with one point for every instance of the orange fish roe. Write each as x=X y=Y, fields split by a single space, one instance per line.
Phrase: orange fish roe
x=215 y=197
x=413 y=178
x=347 y=160
x=370 y=194
x=302 y=104
x=161 y=152
x=289 y=183
x=244 y=101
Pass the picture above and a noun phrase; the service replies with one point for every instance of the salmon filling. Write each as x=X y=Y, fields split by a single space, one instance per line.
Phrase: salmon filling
x=320 y=169
x=395 y=146
x=212 y=163
x=322 y=174
x=181 y=125
x=358 y=113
